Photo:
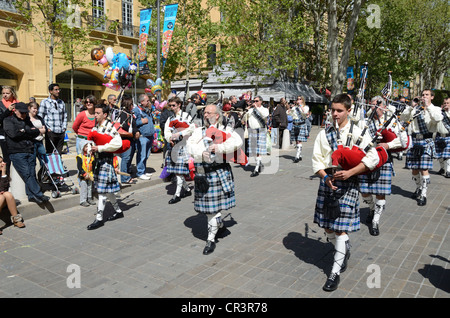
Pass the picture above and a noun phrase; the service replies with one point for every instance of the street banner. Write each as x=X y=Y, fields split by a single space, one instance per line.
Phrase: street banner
x=170 y=14
x=145 y=17
x=406 y=89
x=350 y=80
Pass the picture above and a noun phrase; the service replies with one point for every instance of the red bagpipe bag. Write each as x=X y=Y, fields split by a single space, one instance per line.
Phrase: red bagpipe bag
x=387 y=135
x=219 y=136
x=102 y=139
x=177 y=124
x=348 y=158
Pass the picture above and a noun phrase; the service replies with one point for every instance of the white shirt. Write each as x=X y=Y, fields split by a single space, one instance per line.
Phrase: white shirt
x=253 y=123
x=321 y=158
x=432 y=115
x=181 y=116
x=440 y=128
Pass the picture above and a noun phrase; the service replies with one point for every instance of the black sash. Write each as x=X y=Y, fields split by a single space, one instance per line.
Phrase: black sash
x=258 y=116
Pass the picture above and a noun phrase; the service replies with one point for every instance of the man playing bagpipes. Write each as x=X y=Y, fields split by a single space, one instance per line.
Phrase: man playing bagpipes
x=211 y=147
x=423 y=121
x=442 y=140
x=337 y=204
x=107 y=141
x=379 y=183
x=257 y=132
x=299 y=130
x=177 y=129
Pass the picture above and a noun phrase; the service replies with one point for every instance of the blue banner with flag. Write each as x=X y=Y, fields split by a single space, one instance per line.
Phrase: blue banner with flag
x=145 y=18
x=170 y=15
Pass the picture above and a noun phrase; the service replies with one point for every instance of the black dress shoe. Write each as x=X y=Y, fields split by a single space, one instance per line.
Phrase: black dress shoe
x=422 y=201
x=175 y=199
x=374 y=230
x=209 y=248
x=416 y=194
x=331 y=283
x=441 y=171
x=95 y=225
x=186 y=194
x=115 y=216
x=254 y=174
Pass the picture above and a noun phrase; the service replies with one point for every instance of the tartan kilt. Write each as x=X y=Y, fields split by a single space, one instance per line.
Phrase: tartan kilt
x=181 y=165
x=442 y=153
x=106 y=180
x=299 y=133
x=257 y=141
x=380 y=187
x=424 y=162
x=349 y=218
x=220 y=195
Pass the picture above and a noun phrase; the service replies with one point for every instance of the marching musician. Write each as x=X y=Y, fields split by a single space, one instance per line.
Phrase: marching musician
x=379 y=185
x=105 y=178
x=214 y=182
x=299 y=130
x=443 y=140
x=177 y=159
x=337 y=204
x=256 y=117
x=419 y=158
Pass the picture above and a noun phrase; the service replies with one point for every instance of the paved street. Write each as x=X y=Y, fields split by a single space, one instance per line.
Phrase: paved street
x=272 y=250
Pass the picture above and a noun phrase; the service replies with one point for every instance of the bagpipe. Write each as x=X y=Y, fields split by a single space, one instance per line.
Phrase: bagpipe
x=105 y=135
x=348 y=158
x=214 y=135
x=178 y=125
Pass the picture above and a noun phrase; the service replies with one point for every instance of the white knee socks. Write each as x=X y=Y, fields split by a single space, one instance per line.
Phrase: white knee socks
x=425 y=182
x=102 y=202
x=179 y=185
x=299 y=151
x=339 y=253
x=379 y=208
x=213 y=226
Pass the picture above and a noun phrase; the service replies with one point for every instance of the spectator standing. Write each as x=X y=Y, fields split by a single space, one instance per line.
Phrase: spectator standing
x=84 y=122
x=128 y=131
x=279 y=122
x=20 y=134
x=113 y=109
x=9 y=97
x=38 y=122
x=53 y=111
x=7 y=198
x=144 y=122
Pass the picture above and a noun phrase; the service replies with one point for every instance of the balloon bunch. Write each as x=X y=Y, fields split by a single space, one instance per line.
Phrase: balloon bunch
x=119 y=71
x=158 y=140
x=154 y=87
x=203 y=97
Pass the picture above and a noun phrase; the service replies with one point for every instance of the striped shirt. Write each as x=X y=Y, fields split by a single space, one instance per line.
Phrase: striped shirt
x=54 y=114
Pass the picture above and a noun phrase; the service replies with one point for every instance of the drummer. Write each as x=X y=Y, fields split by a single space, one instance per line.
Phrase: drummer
x=379 y=182
x=339 y=190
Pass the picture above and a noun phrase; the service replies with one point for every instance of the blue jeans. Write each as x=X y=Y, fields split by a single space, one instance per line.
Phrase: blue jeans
x=25 y=165
x=143 y=149
x=127 y=157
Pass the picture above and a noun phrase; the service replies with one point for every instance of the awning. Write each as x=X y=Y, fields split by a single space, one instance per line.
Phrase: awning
x=290 y=91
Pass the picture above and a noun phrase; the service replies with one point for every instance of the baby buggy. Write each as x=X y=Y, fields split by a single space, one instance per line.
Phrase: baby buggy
x=51 y=175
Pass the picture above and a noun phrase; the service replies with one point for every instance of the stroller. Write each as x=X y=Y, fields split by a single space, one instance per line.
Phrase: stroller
x=52 y=172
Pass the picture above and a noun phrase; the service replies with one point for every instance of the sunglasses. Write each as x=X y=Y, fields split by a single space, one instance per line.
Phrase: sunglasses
x=173 y=105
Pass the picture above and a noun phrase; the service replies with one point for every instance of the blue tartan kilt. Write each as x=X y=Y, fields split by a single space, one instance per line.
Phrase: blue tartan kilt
x=257 y=141
x=442 y=153
x=382 y=186
x=349 y=218
x=299 y=133
x=106 y=180
x=220 y=195
x=180 y=163
x=424 y=162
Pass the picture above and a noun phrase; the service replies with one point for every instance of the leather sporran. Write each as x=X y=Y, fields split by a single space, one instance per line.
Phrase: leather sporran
x=441 y=144
x=331 y=205
x=418 y=151
x=201 y=183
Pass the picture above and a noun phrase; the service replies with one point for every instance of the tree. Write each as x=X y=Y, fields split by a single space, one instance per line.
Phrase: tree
x=338 y=67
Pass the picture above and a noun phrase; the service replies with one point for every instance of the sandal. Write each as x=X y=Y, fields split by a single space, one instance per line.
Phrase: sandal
x=18 y=221
x=131 y=181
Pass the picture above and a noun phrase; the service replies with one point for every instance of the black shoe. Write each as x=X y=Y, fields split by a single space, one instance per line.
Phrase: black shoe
x=95 y=225
x=441 y=171
x=186 y=193
x=331 y=283
x=416 y=194
x=374 y=230
x=91 y=202
x=422 y=201
x=209 y=248
x=296 y=160
x=175 y=199
x=115 y=216
x=254 y=174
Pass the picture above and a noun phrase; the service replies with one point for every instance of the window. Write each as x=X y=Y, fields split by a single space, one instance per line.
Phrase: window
x=127 y=17
x=98 y=14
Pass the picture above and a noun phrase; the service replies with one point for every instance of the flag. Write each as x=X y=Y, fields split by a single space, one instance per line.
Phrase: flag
x=170 y=14
x=145 y=17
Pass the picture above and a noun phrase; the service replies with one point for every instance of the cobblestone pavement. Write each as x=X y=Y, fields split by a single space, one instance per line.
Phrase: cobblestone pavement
x=272 y=250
